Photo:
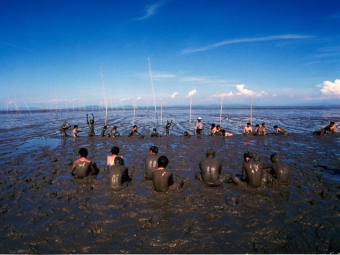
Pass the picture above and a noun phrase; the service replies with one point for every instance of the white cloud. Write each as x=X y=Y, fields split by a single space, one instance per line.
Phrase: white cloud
x=330 y=88
x=174 y=95
x=192 y=93
x=223 y=94
x=247 y=92
x=246 y=40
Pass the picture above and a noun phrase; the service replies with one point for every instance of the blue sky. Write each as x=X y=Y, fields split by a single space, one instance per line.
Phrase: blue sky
x=74 y=53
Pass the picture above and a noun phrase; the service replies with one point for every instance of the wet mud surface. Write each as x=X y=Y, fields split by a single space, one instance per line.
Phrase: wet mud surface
x=45 y=210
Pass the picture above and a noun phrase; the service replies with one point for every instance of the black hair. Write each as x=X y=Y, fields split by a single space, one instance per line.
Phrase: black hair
x=75 y=126
x=119 y=161
x=276 y=126
x=248 y=124
x=163 y=161
x=115 y=150
x=83 y=152
x=247 y=155
x=154 y=149
x=210 y=152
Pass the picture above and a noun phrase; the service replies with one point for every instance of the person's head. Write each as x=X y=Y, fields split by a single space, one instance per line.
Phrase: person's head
x=223 y=132
x=332 y=123
x=75 y=126
x=213 y=125
x=155 y=129
x=114 y=127
x=163 y=161
x=83 y=152
x=115 y=150
x=134 y=126
x=248 y=124
x=218 y=126
x=186 y=133
x=247 y=156
x=210 y=153
x=274 y=158
x=276 y=127
x=105 y=127
x=257 y=125
x=154 y=149
x=91 y=121
x=119 y=161
x=199 y=119
x=263 y=124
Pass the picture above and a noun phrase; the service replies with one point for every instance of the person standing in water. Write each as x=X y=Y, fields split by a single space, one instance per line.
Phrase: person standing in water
x=90 y=124
x=199 y=126
x=133 y=131
x=64 y=127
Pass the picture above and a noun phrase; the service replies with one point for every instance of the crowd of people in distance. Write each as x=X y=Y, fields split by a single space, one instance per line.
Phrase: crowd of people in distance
x=254 y=173
x=214 y=130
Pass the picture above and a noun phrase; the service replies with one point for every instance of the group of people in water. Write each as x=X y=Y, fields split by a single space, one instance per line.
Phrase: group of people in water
x=254 y=172
x=214 y=130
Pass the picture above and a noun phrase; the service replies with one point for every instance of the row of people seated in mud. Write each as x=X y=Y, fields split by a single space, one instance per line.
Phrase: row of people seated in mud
x=253 y=171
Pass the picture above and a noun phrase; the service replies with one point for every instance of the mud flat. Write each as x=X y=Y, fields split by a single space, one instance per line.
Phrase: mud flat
x=45 y=210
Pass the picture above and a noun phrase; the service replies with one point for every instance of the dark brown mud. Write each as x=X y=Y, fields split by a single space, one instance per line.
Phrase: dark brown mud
x=45 y=210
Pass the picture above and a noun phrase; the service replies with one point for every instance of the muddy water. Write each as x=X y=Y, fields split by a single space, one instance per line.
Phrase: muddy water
x=45 y=210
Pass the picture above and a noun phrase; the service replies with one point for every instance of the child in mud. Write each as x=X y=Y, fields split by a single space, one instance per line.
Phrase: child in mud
x=155 y=133
x=330 y=129
x=133 y=131
x=163 y=180
x=64 y=127
x=83 y=166
x=248 y=130
x=251 y=171
x=90 y=124
x=110 y=160
x=279 y=130
x=211 y=170
x=118 y=174
x=151 y=162
x=114 y=132
x=167 y=127
x=279 y=170
x=75 y=131
x=103 y=131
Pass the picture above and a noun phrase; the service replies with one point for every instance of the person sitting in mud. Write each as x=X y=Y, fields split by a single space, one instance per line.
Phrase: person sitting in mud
x=199 y=126
x=251 y=171
x=211 y=169
x=118 y=174
x=114 y=132
x=330 y=129
x=167 y=127
x=75 y=131
x=155 y=133
x=102 y=134
x=257 y=129
x=90 y=124
x=133 y=131
x=151 y=162
x=64 y=127
x=163 y=180
x=225 y=133
x=278 y=169
x=212 y=129
x=186 y=134
x=218 y=131
x=279 y=130
x=248 y=130
x=110 y=160
x=83 y=166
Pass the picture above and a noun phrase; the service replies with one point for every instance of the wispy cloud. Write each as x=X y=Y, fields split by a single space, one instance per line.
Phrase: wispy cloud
x=246 y=40
x=174 y=95
x=331 y=89
x=150 y=11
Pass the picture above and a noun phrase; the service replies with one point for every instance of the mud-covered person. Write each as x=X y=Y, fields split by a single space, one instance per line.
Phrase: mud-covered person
x=199 y=126
x=64 y=127
x=110 y=160
x=118 y=174
x=151 y=162
x=329 y=129
x=279 y=130
x=211 y=169
x=90 y=124
x=133 y=131
x=114 y=132
x=82 y=166
x=278 y=169
x=167 y=127
x=154 y=133
x=163 y=179
x=252 y=172
x=103 y=133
